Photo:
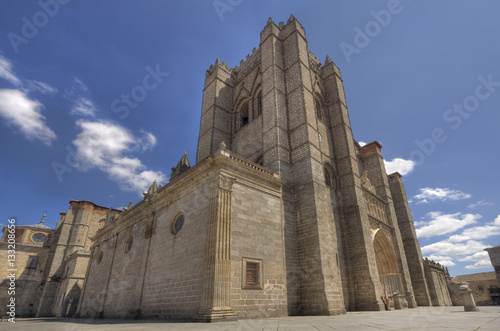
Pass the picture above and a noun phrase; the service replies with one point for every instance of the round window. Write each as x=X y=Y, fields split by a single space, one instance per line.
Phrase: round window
x=128 y=245
x=177 y=223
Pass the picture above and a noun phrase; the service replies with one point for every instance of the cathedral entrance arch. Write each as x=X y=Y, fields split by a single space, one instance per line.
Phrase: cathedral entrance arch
x=390 y=276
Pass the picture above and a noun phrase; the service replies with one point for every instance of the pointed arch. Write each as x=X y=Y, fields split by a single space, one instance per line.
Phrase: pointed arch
x=388 y=270
x=318 y=109
x=258 y=103
x=244 y=115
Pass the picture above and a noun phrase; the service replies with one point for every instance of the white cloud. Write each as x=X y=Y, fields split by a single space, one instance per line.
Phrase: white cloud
x=454 y=249
x=444 y=223
x=480 y=259
x=361 y=143
x=83 y=107
x=104 y=145
x=404 y=167
x=42 y=87
x=472 y=251
x=81 y=85
x=148 y=141
x=24 y=114
x=479 y=232
x=475 y=257
x=443 y=194
x=7 y=73
x=480 y=203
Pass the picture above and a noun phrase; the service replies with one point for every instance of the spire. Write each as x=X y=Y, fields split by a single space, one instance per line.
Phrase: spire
x=270 y=21
x=327 y=60
x=181 y=166
x=129 y=205
x=110 y=216
x=292 y=18
x=151 y=191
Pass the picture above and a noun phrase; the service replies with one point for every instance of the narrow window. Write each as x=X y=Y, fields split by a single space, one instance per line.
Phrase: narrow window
x=318 y=110
x=62 y=299
x=32 y=262
x=328 y=179
x=128 y=244
x=259 y=103
x=99 y=257
x=244 y=115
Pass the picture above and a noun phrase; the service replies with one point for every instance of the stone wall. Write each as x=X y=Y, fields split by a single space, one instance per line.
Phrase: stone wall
x=494 y=254
x=484 y=286
x=28 y=280
x=437 y=284
x=258 y=235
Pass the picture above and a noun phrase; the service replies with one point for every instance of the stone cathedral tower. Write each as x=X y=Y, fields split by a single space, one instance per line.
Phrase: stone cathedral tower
x=348 y=230
x=284 y=213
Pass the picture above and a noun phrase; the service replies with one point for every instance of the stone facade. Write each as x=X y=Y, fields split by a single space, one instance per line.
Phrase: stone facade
x=437 y=282
x=484 y=286
x=31 y=254
x=494 y=254
x=284 y=213
x=68 y=255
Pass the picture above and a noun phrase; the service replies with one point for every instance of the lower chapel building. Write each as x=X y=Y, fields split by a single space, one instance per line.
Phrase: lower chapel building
x=284 y=213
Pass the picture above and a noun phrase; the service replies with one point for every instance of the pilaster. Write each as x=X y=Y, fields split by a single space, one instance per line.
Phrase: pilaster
x=216 y=300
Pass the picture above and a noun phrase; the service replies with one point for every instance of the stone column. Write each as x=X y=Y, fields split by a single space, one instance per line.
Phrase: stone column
x=216 y=300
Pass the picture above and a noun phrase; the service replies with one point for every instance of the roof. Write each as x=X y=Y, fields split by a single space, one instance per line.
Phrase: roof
x=475 y=277
x=40 y=226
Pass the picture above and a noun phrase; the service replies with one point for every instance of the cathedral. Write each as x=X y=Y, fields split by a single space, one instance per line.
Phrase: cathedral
x=283 y=213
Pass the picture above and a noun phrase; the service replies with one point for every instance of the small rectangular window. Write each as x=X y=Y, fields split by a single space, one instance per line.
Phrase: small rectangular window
x=32 y=262
x=252 y=273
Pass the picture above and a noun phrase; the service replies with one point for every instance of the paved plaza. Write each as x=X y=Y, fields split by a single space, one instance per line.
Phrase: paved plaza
x=422 y=318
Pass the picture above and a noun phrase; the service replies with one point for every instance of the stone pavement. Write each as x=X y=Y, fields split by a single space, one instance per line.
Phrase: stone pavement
x=422 y=318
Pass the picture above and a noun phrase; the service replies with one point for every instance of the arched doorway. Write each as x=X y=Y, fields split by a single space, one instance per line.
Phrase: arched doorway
x=388 y=270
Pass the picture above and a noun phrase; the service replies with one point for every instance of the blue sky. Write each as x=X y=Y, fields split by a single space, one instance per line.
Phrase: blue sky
x=99 y=98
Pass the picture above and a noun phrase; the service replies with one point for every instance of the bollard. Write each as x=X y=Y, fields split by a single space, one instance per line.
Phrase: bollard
x=469 y=303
